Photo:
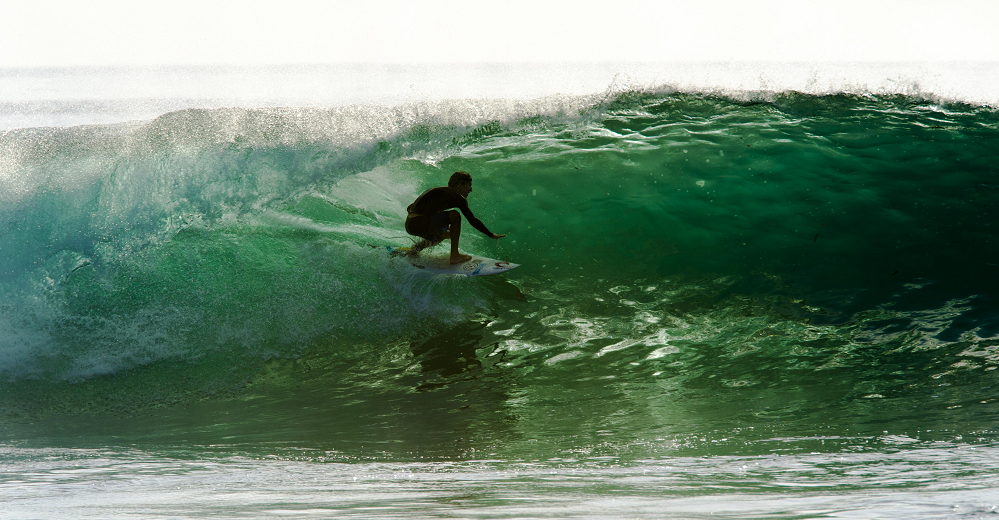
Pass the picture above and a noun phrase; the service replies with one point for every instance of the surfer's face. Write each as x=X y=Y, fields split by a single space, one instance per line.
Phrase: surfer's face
x=464 y=189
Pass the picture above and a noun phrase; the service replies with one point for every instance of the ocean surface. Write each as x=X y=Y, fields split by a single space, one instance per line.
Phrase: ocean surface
x=744 y=293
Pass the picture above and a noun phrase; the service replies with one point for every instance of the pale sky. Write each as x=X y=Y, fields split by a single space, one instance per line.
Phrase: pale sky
x=38 y=33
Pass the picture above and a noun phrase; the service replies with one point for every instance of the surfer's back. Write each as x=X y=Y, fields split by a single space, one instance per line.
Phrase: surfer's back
x=436 y=200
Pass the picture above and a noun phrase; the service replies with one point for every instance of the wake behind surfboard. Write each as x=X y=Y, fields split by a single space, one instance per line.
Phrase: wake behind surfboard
x=476 y=266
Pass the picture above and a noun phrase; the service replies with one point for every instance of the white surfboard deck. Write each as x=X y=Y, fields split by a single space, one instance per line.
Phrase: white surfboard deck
x=477 y=266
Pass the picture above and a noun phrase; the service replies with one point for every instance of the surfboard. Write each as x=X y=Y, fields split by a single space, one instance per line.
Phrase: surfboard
x=440 y=264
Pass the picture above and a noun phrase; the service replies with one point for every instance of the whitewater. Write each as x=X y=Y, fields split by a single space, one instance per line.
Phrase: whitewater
x=746 y=290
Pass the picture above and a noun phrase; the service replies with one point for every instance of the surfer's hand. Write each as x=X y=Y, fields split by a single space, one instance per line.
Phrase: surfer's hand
x=498 y=236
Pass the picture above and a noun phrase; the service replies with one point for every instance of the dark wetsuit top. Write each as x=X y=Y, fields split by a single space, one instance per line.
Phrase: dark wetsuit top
x=432 y=202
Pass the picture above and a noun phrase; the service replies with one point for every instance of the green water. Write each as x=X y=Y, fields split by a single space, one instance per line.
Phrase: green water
x=699 y=277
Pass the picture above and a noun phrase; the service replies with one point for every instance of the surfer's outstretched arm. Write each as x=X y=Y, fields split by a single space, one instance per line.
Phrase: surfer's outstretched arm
x=476 y=223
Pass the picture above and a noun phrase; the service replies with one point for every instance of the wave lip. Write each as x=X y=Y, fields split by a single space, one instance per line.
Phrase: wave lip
x=76 y=96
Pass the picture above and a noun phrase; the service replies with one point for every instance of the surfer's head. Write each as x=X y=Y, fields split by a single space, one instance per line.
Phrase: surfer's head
x=462 y=182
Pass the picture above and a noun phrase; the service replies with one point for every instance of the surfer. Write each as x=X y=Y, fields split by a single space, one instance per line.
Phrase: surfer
x=430 y=219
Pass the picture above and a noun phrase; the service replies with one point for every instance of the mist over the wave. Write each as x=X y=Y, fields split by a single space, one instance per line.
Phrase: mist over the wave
x=36 y=97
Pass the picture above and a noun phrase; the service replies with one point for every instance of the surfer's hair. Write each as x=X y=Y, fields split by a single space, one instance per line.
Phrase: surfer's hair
x=459 y=178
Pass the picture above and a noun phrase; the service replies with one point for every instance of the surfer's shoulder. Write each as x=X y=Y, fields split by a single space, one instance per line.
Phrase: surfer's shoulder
x=437 y=199
x=446 y=195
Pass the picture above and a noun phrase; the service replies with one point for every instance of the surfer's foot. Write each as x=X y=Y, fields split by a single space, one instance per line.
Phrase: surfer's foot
x=459 y=259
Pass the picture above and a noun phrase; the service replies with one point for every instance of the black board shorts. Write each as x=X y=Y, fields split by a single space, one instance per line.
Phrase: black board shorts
x=429 y=228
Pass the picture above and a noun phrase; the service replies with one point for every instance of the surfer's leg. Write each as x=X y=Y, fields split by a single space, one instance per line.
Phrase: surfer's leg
x=431 y=229
x=454 y=233
x=419 y=246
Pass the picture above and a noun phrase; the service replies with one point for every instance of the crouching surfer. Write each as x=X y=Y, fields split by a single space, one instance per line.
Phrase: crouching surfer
x=432 y=218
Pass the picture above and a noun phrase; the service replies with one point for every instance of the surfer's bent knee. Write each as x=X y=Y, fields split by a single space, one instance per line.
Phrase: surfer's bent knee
x=433 y=228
